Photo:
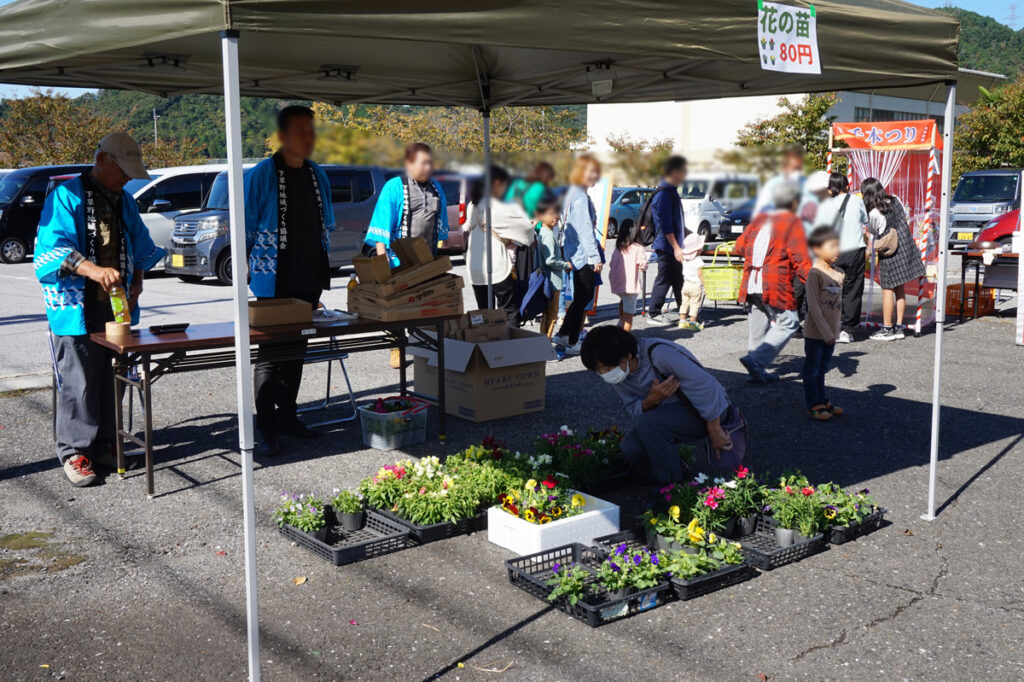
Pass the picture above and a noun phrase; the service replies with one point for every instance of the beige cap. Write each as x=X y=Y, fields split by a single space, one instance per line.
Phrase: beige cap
x=126 y=152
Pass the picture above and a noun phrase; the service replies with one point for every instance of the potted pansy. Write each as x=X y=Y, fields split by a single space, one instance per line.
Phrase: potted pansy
x=569 y=581
x=304 y=513
x=349 y=512
x=847 y=514
x=626 y=571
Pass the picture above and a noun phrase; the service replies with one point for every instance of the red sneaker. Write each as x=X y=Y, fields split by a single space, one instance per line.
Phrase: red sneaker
x=78 y=470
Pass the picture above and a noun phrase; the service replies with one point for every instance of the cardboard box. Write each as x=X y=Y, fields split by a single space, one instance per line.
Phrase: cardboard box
x=476 y=318
x=485 y=381
x=439 y=286
x=412 y=251
x=498 y=331
x=274 y=311
x=371 y=310
x=373 y=269
x=409 y=277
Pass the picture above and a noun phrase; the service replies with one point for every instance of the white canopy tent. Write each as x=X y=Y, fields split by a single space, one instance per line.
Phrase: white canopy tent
x=482 y=54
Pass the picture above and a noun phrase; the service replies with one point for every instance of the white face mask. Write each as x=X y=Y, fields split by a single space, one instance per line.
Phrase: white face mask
x=616 y=375
x=794 y=176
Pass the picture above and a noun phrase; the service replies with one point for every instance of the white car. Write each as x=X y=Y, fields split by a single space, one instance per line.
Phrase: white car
x=709 y=197
x=169 y=192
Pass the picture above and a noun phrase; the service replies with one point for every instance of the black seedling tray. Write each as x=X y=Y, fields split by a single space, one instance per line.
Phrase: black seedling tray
x=377 y=536
x=729 y=574
x=763 y=552
x=530 y=573
x=837 y=535
x=438 y=531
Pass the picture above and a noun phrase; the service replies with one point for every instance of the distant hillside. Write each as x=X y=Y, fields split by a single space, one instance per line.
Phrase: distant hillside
x=987 y=45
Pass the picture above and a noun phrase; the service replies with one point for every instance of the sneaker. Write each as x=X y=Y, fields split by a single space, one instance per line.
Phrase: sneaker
x=297 y=428
x=266 y=448
x=899 y=333
x=756 y=371
x=560 y=340
x=684 y=324
x=696 y=326
x=819 y=413
x=884 y=334
x=657 y=320
x=836 y=411
x=574 y=350
x=78 y=470
x=845 y=337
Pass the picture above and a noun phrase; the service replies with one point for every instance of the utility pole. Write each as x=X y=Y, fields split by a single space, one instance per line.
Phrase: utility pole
x=1012 y=18
x=156 y=116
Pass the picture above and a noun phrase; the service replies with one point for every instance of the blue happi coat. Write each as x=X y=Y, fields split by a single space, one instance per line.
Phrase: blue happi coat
x=62 y=229
x=262 y=221
x=389 y=216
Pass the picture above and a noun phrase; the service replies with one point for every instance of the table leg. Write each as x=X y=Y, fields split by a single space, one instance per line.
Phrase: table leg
x=442 y=406
x=119 y=369
x=977 y=288
x=963 y=288
x=147 y=412
x=403 y=378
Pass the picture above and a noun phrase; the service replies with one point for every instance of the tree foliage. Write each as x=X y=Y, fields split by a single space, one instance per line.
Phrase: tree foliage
x=640 y=161
x=987 y=45
x=47 y=128
x=803 y=122
x=991 y=134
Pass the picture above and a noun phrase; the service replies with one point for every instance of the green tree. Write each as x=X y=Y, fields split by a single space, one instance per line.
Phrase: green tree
x=805 y=122
x=47 y=128
x=640 y=161
x=991 y=134
x=168 y=153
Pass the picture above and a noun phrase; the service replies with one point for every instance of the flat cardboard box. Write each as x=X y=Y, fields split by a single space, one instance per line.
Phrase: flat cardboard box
x=476 y=318
x=370 y=311
x=499 y=331
x=486 y=381
x=373 y=269
x=274 y=311
x=412 y=251
x=409 y=277
x=445 y=284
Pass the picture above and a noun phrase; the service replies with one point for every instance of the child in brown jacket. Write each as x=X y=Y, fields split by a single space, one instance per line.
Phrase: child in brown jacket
x=821 y=328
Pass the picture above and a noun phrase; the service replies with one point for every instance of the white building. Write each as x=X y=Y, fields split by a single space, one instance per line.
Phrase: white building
x=702 y=128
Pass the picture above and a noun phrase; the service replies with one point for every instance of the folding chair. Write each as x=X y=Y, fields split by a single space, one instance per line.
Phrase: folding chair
x=327 y=396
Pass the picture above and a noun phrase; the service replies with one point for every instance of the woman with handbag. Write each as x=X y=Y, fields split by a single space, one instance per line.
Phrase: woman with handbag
x=674 y=401
x=899 y=261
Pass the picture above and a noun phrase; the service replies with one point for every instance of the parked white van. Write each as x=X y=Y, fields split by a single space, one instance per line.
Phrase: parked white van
x=708 y=198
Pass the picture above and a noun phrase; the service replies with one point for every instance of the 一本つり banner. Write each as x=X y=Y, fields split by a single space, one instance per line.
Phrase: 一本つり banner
x=889 y=135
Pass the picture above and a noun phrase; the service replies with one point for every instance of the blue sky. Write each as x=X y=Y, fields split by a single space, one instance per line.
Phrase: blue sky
x=997 y=9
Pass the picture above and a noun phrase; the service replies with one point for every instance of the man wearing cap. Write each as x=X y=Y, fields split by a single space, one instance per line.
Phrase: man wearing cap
x=91 y=239
x=774 y=252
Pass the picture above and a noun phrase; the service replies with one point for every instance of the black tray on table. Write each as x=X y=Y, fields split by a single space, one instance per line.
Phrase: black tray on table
x=438 y=531
x=729 y=574
x=378 y=536
x=762 y=551
x=837 y=535
x=530 y=573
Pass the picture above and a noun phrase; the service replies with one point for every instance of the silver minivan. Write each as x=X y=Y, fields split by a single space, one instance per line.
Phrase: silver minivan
x=199 y=243
x=981 y=196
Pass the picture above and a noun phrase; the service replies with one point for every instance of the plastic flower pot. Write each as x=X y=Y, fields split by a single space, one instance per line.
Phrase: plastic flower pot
x=785 y=536
x=350 y=521
x=729 y=530
x=745 y=525
x=615 y=595
x=320 y=534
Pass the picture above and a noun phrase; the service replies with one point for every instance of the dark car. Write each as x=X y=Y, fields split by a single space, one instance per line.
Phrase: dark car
x=22 y=195
x=737 y=220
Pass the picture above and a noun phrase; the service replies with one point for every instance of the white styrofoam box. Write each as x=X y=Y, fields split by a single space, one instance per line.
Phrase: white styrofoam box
x=511 y=532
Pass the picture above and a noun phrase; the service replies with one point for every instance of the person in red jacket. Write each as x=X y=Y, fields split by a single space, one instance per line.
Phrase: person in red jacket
x=774 y=249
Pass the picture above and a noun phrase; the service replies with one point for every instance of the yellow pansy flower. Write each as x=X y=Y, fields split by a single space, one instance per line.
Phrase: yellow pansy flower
x=673 y=512
x=712 y=538
x=529 y=516
x=578 y=500
x=531 y=484
x=654 y=522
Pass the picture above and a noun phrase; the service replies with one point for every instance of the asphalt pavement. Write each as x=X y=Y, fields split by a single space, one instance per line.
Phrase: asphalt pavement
x=105 y=584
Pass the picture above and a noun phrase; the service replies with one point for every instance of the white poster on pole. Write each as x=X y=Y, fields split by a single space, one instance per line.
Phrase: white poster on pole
x=787 y=38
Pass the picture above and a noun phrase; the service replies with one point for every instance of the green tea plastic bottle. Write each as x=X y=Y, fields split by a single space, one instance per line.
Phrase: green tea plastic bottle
x=119 y=304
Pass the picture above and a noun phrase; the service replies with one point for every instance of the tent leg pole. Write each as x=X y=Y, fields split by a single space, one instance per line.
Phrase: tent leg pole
x=949 y=122
x=243 y=360
x=487 y=203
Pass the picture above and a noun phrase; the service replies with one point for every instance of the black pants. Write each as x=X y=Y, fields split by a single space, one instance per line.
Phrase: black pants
x=670 y=276
x=276 y=382
x=852 y=265
x=504 y=296
x=582 y=295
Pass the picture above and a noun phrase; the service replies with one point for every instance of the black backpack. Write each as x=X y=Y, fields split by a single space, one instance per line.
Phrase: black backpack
x=648 y=232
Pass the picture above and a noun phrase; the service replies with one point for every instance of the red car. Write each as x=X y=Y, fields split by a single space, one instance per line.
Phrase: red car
x=1000 y=229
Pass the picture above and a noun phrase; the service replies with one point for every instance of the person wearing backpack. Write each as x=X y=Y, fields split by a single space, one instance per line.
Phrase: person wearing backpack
x=528 y=191
x=666 y=215
x=673 y=399
x=847 y=215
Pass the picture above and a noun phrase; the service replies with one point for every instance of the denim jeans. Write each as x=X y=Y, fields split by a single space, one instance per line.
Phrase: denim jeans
x=818 y=355
x=770 y=330
x=653 y=443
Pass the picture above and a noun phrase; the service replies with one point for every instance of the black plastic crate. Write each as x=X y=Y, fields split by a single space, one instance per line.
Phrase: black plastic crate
x=439 y=531
x=378 y=536
x=531 y=573
x=763 y=552
x=837 y=535
x=684 y=589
